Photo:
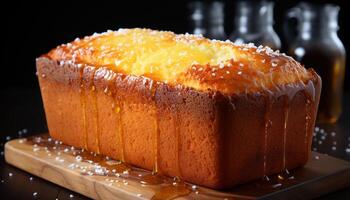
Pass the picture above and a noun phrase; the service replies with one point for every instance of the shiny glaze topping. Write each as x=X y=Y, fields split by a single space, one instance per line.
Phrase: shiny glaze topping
x=185 y=59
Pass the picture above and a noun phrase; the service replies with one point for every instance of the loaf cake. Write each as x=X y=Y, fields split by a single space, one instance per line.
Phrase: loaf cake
x=210 y=112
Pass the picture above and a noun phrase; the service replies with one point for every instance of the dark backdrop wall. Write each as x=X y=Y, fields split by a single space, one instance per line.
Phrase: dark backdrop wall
x=31 y=30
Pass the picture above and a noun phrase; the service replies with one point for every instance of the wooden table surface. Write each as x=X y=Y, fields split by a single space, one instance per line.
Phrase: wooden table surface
x=21 y=114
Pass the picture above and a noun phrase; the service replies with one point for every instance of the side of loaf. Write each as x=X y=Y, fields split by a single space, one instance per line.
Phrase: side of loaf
x=207 y=137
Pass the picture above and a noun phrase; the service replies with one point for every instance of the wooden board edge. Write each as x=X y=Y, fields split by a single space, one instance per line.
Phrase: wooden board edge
x=53 y=173
x=316 y=187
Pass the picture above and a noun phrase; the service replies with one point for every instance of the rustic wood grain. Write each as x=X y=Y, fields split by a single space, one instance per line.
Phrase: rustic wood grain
x=318 y=177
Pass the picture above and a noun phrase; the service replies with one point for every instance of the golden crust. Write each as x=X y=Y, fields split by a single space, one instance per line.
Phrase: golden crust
x=189 y=60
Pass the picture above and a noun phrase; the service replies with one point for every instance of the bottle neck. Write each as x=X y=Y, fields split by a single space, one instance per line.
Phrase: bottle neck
x=215 y=16
x=207 y=17
x=318 y=22
x=252 y=26
x=253 y=17
x=197 y=17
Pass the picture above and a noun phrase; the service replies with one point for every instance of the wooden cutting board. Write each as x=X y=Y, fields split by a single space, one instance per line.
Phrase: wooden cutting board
x=99 y=177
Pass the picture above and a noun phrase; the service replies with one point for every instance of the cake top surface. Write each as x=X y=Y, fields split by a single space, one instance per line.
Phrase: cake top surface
x=185 y=59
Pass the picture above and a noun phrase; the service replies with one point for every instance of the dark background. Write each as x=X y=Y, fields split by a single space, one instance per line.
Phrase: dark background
x=29 y=30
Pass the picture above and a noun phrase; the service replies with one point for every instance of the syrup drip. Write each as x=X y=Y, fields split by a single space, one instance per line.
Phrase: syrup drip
x=277 y=181
x=266 y=130
x=155 y=147
x=307 y=123
x=118 y=109
x=83 y=105
x=233 y=106
x=96 y=118
x=286 y=114
x=177 y=126
x=153 y=88
x=269 y=183
x=285 y=175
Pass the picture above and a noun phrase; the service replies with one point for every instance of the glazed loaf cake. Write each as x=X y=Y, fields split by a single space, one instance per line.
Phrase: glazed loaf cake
x=209 y=112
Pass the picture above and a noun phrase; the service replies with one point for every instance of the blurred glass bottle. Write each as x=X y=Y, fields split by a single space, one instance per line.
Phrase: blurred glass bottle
x=317 y=45
x=197 y=17
x=215 y=21
x=207 y=19
x=253 y=22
